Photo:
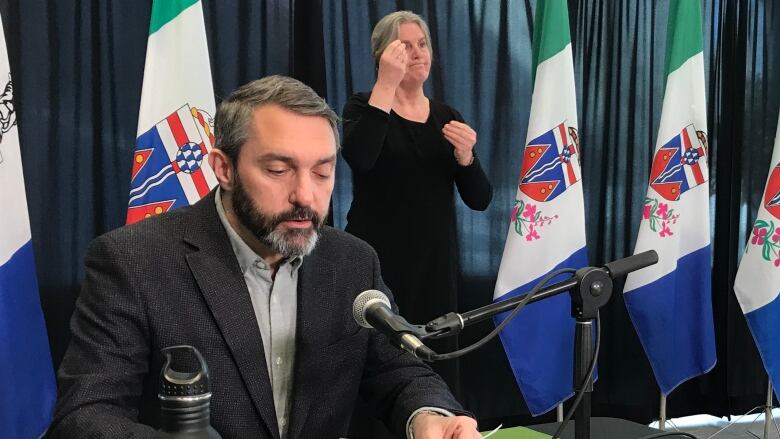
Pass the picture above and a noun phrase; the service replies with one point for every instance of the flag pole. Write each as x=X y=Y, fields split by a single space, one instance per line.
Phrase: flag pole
x=768 y=410
x=662 y=414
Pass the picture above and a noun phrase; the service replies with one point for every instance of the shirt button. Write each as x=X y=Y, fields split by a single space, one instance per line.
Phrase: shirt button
x=278 y=361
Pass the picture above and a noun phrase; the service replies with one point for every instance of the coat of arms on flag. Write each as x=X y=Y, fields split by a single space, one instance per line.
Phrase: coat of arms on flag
x=766 y=233
x=680 y=164
x=772 y=192
x=550 y=163
x=176 y=146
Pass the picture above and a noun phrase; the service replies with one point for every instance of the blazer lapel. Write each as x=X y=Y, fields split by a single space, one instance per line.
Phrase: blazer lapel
x=316 y=284
x=219 y=277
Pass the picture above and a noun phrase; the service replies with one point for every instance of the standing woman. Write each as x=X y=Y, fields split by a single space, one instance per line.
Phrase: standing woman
x=407 y=154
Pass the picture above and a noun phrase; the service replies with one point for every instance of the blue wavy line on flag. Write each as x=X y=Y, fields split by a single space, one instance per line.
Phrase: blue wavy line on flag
x=153 y=184
x=673 y=318
x=27 y=384
x=764 y=324
x=539 y=343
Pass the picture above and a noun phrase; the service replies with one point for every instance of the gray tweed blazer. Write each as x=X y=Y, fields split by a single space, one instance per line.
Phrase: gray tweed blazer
x=174 y=279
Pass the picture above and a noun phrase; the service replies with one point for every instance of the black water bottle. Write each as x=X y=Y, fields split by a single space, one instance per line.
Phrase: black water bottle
x=184 y=400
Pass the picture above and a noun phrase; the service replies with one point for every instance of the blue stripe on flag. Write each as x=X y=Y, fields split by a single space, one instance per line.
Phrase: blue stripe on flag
x=673 y=318
x=764 y=323
x=27 y=388
x=539 y=343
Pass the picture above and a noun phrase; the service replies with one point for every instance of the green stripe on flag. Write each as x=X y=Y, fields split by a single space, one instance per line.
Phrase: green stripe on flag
x=551 y=31
x=683 y=33
x=164 y=11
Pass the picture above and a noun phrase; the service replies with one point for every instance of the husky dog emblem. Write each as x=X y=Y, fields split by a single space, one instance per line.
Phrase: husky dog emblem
x=7 y=111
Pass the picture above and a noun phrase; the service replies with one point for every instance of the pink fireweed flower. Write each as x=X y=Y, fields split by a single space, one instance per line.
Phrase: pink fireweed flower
x=776 y=235
x=665 y=230
x=777 y=261
x=531 y=234
x=530 y=211
x=662 y=209
x=646 y=212
x=758 y=235
x=514 y=213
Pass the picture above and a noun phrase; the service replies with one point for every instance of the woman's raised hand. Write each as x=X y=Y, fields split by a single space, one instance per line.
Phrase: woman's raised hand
x=392 y=65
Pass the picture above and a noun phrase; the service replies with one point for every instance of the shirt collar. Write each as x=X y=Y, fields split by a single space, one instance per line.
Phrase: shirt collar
x=245 y=255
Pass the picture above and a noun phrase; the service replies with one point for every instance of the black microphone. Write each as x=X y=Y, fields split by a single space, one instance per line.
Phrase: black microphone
x=627 y=265
x=371 y=309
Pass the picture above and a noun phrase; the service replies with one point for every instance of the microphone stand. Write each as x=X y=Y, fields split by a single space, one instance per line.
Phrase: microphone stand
x=590 y=289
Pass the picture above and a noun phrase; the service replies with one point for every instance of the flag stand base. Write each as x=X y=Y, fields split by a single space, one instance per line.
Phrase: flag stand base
x=766 y=408
x=768 y=418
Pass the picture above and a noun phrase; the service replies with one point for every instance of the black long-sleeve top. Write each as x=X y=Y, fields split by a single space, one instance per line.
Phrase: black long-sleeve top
x=404 y=175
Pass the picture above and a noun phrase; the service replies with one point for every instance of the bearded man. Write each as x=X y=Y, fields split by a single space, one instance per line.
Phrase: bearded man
x=252 y=278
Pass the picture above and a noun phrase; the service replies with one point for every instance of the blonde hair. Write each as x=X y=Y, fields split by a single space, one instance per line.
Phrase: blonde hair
x=386 y=31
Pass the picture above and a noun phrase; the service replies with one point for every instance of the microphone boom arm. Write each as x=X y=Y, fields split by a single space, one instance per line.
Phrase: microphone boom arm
x=590 y=289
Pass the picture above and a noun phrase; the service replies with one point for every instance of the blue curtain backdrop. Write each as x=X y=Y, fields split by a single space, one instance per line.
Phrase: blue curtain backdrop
x=78 y=68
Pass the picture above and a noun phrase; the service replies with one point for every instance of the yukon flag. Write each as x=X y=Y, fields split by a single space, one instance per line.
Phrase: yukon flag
x=27 y=388
x=547 y=225
x=670 y=303
x=175 y=122
x=758 y=279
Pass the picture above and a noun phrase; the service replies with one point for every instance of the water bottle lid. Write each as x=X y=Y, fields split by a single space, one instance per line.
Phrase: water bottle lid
x=175 y=385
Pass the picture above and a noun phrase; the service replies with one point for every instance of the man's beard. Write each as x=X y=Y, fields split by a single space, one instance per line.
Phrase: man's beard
x=289 y=243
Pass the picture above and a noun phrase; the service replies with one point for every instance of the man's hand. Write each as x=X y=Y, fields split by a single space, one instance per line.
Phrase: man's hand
x=431 y=426
x=462 y=137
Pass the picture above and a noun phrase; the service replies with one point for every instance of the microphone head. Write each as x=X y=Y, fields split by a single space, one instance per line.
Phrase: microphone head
x=363 y=301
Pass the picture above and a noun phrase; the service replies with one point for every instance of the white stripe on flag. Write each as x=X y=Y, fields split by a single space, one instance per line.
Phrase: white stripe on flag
x=757 y=283
x=177 y=69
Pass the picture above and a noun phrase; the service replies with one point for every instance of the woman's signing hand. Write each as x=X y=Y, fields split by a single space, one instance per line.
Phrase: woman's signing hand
x=392 y=64
x=463 y=138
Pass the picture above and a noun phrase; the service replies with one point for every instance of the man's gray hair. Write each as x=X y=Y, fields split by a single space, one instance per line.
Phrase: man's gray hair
x=386 y=31
x=231 y=123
